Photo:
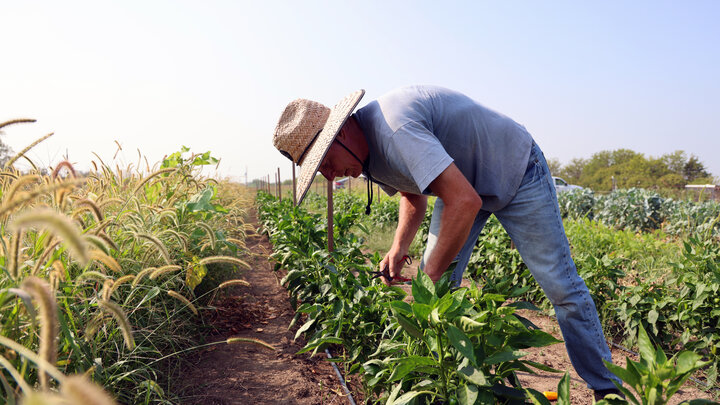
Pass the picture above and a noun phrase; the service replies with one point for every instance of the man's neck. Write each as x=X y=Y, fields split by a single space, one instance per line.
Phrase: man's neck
x=355 y=139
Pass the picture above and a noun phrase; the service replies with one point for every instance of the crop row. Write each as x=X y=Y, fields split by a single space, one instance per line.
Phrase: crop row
x=443 y=346
x=643 y=210
x=118 y=263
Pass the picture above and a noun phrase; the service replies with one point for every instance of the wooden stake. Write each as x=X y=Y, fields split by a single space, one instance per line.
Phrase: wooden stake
x=293 y=176
x=279 y=186
x=331 y=242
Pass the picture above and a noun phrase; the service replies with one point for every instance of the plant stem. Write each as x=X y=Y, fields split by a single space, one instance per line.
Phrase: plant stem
x=442 y=356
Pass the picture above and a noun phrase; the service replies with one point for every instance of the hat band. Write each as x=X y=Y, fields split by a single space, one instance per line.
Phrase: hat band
x=302 y=155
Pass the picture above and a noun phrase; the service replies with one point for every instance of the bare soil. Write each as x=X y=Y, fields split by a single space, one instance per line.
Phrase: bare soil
x=249 y=374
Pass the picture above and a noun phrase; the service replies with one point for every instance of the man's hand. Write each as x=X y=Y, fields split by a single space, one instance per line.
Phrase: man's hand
x=394 y=260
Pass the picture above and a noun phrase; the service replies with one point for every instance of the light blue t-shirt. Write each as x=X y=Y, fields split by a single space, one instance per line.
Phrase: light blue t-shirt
x=414 y=133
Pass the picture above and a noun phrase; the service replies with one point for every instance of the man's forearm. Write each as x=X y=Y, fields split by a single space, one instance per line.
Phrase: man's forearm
x=455 y=225
x=412 y=212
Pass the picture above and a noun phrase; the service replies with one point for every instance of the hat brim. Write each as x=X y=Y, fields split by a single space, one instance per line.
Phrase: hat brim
x=315 y=155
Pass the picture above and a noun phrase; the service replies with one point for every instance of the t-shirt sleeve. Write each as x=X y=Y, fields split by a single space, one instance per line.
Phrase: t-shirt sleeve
x=418 y=154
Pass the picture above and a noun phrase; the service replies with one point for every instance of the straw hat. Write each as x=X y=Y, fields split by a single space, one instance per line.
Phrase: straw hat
x=306 y=130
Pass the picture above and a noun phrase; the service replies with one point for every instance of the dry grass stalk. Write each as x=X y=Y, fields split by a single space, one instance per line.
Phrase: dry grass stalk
x=17 y=184
x=120 y=317
x=14 y=254
x=58 y=224
x=184 y=300
x=42 y=294
x=151 y=176
x=44 y=256
x=25 y=197
x=17 y=121
x=224 y=259
x=24 y=151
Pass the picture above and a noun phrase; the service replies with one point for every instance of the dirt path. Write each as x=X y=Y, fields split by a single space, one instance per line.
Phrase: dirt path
x=248 y=374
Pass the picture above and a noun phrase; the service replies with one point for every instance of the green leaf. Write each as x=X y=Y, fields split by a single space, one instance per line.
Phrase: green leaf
x=407 y=397
x=532 y=338
x=504 y=356
x=652 y=316
x=306 y=326
x=564 y=390
x=687 y=362
x=407 y=364
x=461 y=342
x=536 y=398
x=423 y=289
x=628 y=375
x=541 y=366
x=647 y=351
x=472 y=374
x=467 y=394
x=421 y=312
x=469 y=325
x=409 y=326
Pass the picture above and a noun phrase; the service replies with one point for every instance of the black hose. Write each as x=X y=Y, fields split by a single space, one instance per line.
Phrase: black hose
x=340 y=377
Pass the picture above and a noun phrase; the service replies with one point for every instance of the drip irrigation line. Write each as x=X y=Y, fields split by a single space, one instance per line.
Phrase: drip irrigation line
x=340 y=377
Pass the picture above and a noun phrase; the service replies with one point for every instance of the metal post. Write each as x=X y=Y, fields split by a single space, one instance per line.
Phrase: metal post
x=293 y=176
x=331 y=244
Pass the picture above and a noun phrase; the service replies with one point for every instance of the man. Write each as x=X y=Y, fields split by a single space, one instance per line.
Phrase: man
x=425 y=140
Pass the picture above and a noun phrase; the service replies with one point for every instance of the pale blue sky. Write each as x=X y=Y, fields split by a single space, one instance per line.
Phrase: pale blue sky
x=215 y=75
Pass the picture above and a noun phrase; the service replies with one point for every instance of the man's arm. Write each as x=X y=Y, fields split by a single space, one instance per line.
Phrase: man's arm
x=462 y=204
x=412 y=212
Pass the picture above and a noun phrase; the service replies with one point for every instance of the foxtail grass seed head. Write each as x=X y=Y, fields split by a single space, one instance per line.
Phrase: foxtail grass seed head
x=63 y=165
x=184 y=300
x=223 y=259
x=120 y=281
x=256 y=342
x=92 y=207
x=233 y=282
x=107 y=261
x=120 y=317
x=164 y=270
x=78 y=390
x=17 y=121
x=142 y=274
x=91 y=275
x=155 y=241
x=42 y=294
x=18 y=184
x=59 y=225
x=210 y=233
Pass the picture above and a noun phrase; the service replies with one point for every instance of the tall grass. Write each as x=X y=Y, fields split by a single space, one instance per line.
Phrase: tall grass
x=120 y=263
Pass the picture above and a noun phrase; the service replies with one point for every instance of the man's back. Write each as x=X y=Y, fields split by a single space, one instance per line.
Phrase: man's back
x=414 y=133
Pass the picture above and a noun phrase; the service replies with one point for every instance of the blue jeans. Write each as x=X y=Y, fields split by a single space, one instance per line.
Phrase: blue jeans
x=533 y=221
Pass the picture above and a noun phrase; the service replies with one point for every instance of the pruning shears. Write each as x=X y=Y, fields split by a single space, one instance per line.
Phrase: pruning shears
x=386 y=271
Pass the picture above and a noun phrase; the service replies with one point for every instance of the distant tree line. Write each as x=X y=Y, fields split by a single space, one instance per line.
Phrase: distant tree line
x=627 y=168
